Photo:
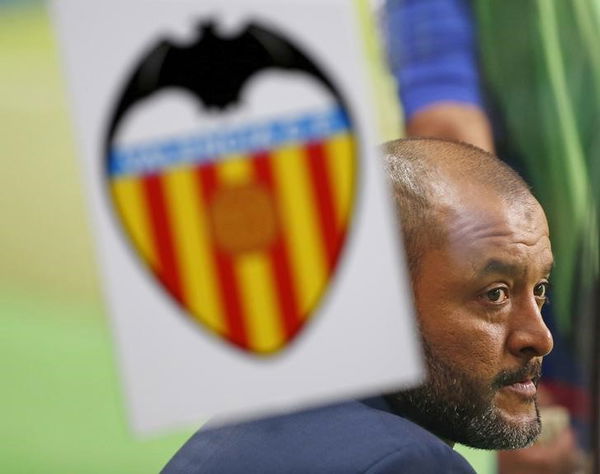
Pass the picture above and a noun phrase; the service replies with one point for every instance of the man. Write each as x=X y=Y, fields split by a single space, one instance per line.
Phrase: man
x=479 y=258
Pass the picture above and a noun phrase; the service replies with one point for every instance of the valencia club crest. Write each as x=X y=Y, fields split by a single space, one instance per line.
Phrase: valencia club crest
x=231 y=164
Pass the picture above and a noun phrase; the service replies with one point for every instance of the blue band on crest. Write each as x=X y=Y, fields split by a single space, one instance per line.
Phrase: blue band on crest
x=210 y=147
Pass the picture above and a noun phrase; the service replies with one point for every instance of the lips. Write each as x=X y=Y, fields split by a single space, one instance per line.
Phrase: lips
x=521 y=382
x=526 y=388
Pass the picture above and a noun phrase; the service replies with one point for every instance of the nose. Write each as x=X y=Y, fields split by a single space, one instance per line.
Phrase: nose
x=529 y=336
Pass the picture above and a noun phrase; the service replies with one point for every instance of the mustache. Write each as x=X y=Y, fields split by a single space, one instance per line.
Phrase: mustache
x=532 y=370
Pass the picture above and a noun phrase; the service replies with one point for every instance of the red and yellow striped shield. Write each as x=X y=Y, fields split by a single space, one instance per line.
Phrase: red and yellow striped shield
x=243 y=228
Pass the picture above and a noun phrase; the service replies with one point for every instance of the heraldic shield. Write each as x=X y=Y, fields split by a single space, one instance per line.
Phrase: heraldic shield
x=241 y=225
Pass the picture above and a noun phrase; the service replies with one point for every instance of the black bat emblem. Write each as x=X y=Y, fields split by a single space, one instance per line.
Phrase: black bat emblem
x=214 y=69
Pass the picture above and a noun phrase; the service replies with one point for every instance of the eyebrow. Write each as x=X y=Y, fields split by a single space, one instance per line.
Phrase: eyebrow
x=499 y=267
x=495 y=266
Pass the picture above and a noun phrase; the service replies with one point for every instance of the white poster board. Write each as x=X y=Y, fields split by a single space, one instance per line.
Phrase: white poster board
x=244 y=225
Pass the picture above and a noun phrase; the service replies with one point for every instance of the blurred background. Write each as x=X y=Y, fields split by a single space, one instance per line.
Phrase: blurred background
x=60 y=402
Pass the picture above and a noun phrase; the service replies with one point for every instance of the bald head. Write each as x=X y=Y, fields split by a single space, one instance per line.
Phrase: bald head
x=480 y=256
x=430 y=177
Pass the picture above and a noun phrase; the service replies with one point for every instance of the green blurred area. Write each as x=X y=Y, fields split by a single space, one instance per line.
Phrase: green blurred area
x=45 y=243
x=61 y=403
x=61 y=406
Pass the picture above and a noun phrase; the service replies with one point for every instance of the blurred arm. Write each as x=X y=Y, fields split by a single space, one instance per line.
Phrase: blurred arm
x=560 y=456
x=453 y=120
x=432 y=54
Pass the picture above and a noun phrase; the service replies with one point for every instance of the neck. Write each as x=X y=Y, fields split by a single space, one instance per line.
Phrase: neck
x=447 y=441
x=396 y=403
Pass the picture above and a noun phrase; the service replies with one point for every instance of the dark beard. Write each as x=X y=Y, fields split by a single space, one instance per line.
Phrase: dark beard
x=459 y=408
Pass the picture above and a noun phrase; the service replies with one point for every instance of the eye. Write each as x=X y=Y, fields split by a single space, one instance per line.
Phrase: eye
x=540 y=290
x=497 y=295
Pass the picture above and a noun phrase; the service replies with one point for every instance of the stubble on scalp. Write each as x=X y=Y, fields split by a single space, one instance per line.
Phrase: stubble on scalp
x=423 y=171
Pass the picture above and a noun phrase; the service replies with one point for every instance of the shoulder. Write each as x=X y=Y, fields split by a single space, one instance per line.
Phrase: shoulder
x=347 y=437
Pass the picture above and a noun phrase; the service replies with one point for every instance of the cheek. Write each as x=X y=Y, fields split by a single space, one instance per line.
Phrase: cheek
x=456 y=332
x=472 y=345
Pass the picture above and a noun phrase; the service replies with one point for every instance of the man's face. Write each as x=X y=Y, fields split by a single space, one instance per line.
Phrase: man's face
x=478 y=298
